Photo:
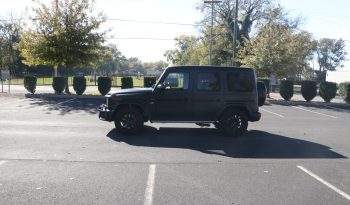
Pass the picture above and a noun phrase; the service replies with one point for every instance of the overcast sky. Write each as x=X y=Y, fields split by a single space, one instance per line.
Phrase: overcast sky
x=323 y=18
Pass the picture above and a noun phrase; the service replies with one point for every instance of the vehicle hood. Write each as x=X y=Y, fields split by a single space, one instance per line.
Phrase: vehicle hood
x=132 y=91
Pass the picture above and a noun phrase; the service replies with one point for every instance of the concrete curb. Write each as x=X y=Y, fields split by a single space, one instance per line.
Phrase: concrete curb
x=64 y=96
x=304 y=103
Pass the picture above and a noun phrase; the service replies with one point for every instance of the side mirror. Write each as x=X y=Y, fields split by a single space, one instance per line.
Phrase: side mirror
x=161 y=86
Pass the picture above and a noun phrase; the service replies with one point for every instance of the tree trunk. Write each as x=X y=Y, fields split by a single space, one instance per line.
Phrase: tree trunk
x=66 y=90
x=55 y=68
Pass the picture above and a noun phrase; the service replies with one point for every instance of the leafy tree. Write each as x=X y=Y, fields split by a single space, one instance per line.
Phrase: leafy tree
x=66 y=35
x=155 y=68
x=278 y=48
x=10 y=58
x=330 y=54
x=114 y=61
x=189 y=50
x=135 y=66
x=250 y=13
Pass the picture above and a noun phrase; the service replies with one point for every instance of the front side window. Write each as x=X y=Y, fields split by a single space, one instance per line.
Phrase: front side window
x=208 y=82
x=177 y=81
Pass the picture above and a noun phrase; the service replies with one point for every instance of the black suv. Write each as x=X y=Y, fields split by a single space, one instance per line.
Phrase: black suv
x=224 y=96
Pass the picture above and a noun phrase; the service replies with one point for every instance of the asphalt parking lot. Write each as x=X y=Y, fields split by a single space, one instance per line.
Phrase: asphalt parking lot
x=56 y=151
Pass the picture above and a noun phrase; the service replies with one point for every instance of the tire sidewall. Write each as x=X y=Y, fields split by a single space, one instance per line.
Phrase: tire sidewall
x=226 y=127
x=138 y=119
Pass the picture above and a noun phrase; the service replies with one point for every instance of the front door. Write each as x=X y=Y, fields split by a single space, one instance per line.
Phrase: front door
x=173 y=98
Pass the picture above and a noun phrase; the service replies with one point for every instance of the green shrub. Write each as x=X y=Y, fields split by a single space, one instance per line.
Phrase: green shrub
x=149 y=81
x=267 y=83
x=347 y=96
x=127 y=82
x=262 y=93
x=328 y=91
x=59 y=84
x=30 y=83
x=309 y=90
x=104 y=85
x=287 y=89
x=343 y=88
x=79 y=85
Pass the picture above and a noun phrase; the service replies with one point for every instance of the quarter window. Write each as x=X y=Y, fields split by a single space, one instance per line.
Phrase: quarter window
x=239 y=82
x=208 y=82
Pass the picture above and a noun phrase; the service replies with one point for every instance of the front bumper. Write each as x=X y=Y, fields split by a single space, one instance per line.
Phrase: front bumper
x=255 y=116
x=105 y=114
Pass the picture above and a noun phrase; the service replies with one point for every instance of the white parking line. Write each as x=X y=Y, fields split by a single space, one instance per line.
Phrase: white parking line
x=315 y=112
x=150 y=185
x=66 y=101
x=2 y=162
x=343 y=194
x=272 y=113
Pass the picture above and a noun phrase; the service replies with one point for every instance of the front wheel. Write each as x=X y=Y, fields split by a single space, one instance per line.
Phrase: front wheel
x=128 y=121
x=234 y=123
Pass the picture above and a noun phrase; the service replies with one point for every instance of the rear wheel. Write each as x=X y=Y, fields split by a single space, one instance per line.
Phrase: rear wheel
x=129 y=121
x=234 y=123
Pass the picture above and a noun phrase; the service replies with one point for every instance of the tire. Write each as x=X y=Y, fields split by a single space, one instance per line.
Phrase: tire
x=128 y=121
x=218 y=125
x=234 y=123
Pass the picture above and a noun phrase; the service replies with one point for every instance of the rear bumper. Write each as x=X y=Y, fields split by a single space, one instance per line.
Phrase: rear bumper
x=105 y=114
x=255 y=116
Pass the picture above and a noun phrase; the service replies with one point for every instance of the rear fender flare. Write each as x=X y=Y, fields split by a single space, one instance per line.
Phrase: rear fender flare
x=234 y=107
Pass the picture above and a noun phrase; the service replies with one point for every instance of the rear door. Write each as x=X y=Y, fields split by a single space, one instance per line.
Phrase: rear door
x=207 y=95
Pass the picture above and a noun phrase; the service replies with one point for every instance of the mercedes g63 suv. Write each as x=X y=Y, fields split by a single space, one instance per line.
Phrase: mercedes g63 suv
x=224 y=96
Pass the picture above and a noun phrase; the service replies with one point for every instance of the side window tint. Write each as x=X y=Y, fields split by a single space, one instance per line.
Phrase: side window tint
x=177 y=81
x=239 y=82
x=208 y=82
x=231 y=81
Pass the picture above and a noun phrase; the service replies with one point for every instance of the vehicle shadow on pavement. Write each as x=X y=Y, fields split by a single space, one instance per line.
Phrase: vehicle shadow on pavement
x=254 y=144
x=66 y=106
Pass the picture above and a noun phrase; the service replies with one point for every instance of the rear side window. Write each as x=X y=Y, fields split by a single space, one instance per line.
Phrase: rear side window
x=208 y=82
x=239 y=82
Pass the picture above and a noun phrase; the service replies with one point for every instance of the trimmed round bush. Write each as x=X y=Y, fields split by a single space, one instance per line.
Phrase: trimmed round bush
x=104 y=85
x=347 y=96
x=127 y=82
x=30 y=83
x=309 y=90
x=79 y=85
x=343 y=88
x=59 y=84
x=287 y=89
x=328 y=91
x=149 y=81
x=262 y=92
